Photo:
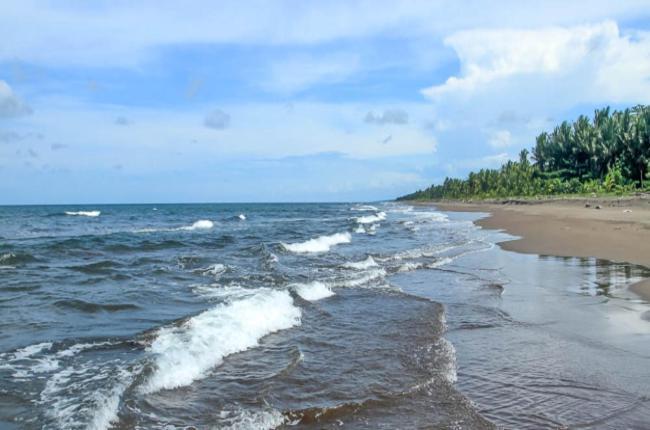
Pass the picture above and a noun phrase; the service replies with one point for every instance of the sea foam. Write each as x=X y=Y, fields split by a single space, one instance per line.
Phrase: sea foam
x=84 y=213
x=361 y=265
x=186 y=353
x=313 y=291
x=369 y=219
x=319 y=244
x=202 y=224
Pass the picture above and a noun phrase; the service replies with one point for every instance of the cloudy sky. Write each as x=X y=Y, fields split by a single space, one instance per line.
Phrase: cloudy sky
x=295 y=101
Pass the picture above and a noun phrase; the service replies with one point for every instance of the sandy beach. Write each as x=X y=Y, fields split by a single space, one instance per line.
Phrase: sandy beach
x=612 y=229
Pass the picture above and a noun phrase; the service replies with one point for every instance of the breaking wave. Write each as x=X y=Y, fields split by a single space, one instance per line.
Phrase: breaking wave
x=369 y=219
x=361 y=265
x=186 y=353
x=83 y=213
x=313 y=291
x=319 y=244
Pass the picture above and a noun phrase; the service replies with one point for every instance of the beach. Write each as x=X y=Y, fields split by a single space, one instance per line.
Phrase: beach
x=617 y=230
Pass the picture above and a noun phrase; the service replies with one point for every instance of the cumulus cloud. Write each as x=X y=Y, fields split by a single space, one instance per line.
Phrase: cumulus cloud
x=390 y=116
x=500 y=139
x=10 y=104
x=588 y=63
x=217 y=119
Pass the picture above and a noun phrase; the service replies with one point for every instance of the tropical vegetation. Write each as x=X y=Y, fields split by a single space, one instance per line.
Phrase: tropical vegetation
x=607 y=154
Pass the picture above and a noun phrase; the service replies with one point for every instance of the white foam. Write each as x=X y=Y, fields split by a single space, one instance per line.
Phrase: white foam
x=441 y=262
x=449 y=354
x=186 y=353
x=362 y=265
x=365 y=278
x=242 y=217
x=84 y=213
x=259 y=420
x=7 y=256
x=215 y=269
x=369 y=219
x=407 y=267
x=31 y=350
x=202 y=224
x=226 y=293
x=360 y=229
x=313 y=291
x=364 y=208
x=319 y=244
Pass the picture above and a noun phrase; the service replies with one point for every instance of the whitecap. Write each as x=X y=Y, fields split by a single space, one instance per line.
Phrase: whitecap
x=365 y=278
x=441 y=262
x=242 y=217
x=361 y=265
x=364 y=208
x=202 y=224
x=247 y=419
x=215 y=269
x=187 y=353
x=84 y=213
x=319 y=244
x=313 y=291
x=369 y=219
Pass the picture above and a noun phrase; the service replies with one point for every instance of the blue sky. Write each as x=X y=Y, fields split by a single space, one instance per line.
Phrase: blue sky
x=295 y=101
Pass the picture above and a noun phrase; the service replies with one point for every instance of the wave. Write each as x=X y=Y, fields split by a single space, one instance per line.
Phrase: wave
x=364 y=208
x=202 y=224
x=97 y=268
x=215 y=269
x=249 y=419
x=186 y=353
x=319 y=244
x=90 y=307
x=365 y=278
x=370 y=219
x=84 y=213
x=361 y=265
x=242 y=217
x=11 y=258
x=313 y=291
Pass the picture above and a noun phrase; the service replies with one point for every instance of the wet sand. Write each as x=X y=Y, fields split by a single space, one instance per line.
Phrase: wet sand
x=612 y=229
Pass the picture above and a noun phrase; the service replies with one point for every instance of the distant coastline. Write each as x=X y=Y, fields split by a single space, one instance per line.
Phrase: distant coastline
x=615 y=229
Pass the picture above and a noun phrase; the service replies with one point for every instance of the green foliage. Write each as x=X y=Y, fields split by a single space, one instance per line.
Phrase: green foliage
x=610 y=153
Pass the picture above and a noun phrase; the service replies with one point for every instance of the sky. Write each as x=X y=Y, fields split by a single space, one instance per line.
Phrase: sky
x=198 y=101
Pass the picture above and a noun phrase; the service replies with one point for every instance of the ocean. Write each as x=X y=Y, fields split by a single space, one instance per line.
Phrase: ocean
x=307 y=316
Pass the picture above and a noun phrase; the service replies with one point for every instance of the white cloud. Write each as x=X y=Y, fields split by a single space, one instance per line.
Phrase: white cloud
x=500 y=139
x=10 y=104
x=127 y=33
x=589 y=63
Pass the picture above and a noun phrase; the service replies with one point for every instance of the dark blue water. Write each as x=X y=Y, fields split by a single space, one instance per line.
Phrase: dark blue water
x=302 y=315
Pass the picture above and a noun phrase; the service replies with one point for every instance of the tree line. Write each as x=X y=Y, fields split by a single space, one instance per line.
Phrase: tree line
x=609 y=153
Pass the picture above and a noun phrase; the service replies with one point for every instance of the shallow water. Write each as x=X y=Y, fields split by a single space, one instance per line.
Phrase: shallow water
x=307 y=316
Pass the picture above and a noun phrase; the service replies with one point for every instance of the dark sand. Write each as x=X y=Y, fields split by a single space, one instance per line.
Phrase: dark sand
x=618 y=231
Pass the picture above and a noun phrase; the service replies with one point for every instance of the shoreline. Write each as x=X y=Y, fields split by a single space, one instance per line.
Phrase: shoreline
x=617 y=230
